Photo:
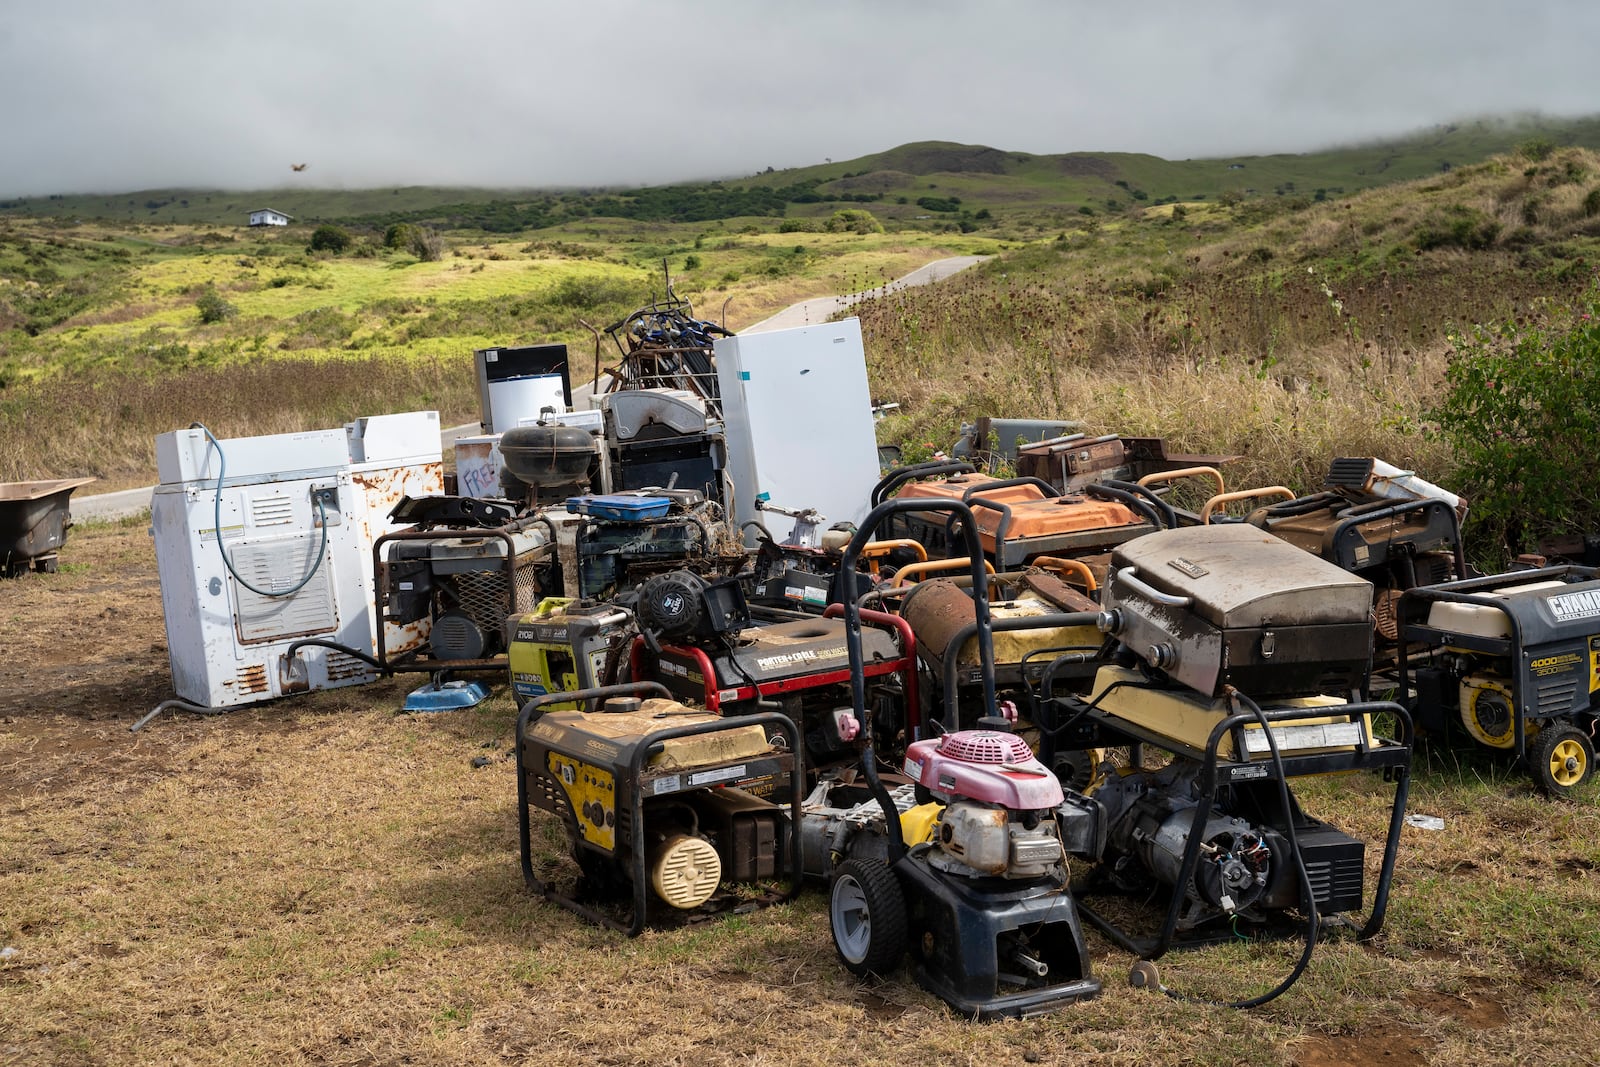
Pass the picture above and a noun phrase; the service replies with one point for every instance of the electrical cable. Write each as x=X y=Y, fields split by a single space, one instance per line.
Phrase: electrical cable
x=322 y=521
x=198 y=709
x=1306 y=890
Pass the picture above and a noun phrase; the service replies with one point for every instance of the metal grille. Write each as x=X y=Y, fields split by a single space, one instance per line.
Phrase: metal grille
x=985 y=746
x=341 y=666
x=1557 y=695
x=1336 y=880
x=274 y=510
x=482 y=595
x=275 y=566
x=252 y=678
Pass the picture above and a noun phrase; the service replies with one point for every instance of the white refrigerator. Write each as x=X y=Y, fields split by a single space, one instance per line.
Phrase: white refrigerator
x=798 y=420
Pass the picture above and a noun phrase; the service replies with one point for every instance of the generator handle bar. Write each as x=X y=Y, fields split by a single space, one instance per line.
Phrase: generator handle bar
x=1353 y=521
x=1101 y=491
x=951 y=717
x=878 y=516
x=930 y=469
x=1168 y=513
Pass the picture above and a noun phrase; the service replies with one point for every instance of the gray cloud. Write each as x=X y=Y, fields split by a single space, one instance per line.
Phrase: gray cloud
x=112 y=96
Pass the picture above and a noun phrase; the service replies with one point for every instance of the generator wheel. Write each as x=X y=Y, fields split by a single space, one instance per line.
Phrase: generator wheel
x=1561 y=758
x=867 y=911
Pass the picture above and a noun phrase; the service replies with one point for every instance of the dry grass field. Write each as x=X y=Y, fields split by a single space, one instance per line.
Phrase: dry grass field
x=325 y=881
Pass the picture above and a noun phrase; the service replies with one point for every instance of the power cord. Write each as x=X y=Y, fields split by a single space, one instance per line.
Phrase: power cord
x=1144 y=972
x=322 y=521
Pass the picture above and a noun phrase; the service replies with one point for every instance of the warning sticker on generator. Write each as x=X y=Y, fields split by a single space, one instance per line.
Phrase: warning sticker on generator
x=1571 y=606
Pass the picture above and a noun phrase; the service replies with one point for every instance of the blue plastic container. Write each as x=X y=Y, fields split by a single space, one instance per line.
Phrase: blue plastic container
x=621 y=507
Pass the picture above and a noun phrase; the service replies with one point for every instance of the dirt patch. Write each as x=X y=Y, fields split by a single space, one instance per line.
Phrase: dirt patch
x=1392 y=1045
x=1475 y=1010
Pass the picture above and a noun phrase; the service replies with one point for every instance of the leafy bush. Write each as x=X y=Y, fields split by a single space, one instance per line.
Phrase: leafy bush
x=854 y=220
x=1536 y=149
x=399 y=236
x=212 y=307
x=329 y=238
x=1457 y=226
x=939 y=203
x=1522 y=413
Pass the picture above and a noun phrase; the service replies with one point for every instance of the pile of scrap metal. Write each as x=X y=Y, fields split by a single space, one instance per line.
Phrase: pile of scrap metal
x=898 y=757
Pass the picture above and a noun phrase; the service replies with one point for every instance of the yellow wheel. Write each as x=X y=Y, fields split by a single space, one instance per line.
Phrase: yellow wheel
x=1488 y=716
x=1561 y=757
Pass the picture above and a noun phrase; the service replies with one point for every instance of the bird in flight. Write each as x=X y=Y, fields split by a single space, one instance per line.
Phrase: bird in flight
x=298 y=166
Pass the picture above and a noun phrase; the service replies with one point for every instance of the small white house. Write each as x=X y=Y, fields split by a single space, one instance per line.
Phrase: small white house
x=268 y=217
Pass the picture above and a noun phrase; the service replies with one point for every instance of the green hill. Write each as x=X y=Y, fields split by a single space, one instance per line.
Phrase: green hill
x=931 y=184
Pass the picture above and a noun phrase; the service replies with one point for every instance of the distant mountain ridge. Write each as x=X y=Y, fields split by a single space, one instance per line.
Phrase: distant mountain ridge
x=932 y=181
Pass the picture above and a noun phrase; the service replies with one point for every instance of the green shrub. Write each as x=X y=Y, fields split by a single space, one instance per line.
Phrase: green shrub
x=399 y=236
x=1536 y=149
x=212 y=307
x=1591 y=203
x=329 y=238
x=854 y=220
x=1522 y=413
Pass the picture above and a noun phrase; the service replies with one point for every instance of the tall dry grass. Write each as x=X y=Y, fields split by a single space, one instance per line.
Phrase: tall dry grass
x=1288 y=367
x=106 y=425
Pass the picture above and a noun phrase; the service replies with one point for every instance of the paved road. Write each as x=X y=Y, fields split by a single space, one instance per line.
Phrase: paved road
x=107 y=507
x=823 y=308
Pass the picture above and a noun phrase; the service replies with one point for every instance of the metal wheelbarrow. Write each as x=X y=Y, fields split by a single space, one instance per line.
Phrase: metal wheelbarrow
x=33 y=523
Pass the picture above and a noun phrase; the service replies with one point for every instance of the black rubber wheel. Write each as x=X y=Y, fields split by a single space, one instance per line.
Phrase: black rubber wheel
x=46 y=566
x=867 y=912
x=1561 y=758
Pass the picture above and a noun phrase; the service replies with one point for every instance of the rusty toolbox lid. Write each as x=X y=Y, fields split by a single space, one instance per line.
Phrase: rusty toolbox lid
x=1240 y=576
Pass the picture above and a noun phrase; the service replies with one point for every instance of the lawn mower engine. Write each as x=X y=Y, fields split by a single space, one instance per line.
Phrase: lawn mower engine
x=980 y=901
x=661 y=803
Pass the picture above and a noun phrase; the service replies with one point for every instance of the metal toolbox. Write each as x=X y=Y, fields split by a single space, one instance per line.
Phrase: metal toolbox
x=1223 y=605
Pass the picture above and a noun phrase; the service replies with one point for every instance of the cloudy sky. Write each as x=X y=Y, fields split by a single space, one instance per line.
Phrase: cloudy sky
x=118 y=95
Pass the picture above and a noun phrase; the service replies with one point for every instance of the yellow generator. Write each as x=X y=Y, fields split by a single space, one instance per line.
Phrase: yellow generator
x=562 y=646
x=661 y=804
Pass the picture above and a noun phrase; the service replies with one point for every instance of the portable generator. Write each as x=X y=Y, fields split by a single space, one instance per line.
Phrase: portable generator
x=661 y=804
x=1380 y=523
x=563 y=646
x=458 y=585
x=1517 y=658
x=710 y=651
x=1209 y=620
x=1018 y=519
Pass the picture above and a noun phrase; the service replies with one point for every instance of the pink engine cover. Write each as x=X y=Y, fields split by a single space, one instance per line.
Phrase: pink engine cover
x=986 y=766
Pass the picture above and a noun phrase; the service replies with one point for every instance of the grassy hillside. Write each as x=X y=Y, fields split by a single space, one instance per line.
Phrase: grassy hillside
x=1282 y=327
x=995 y=188
x=105 y=318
